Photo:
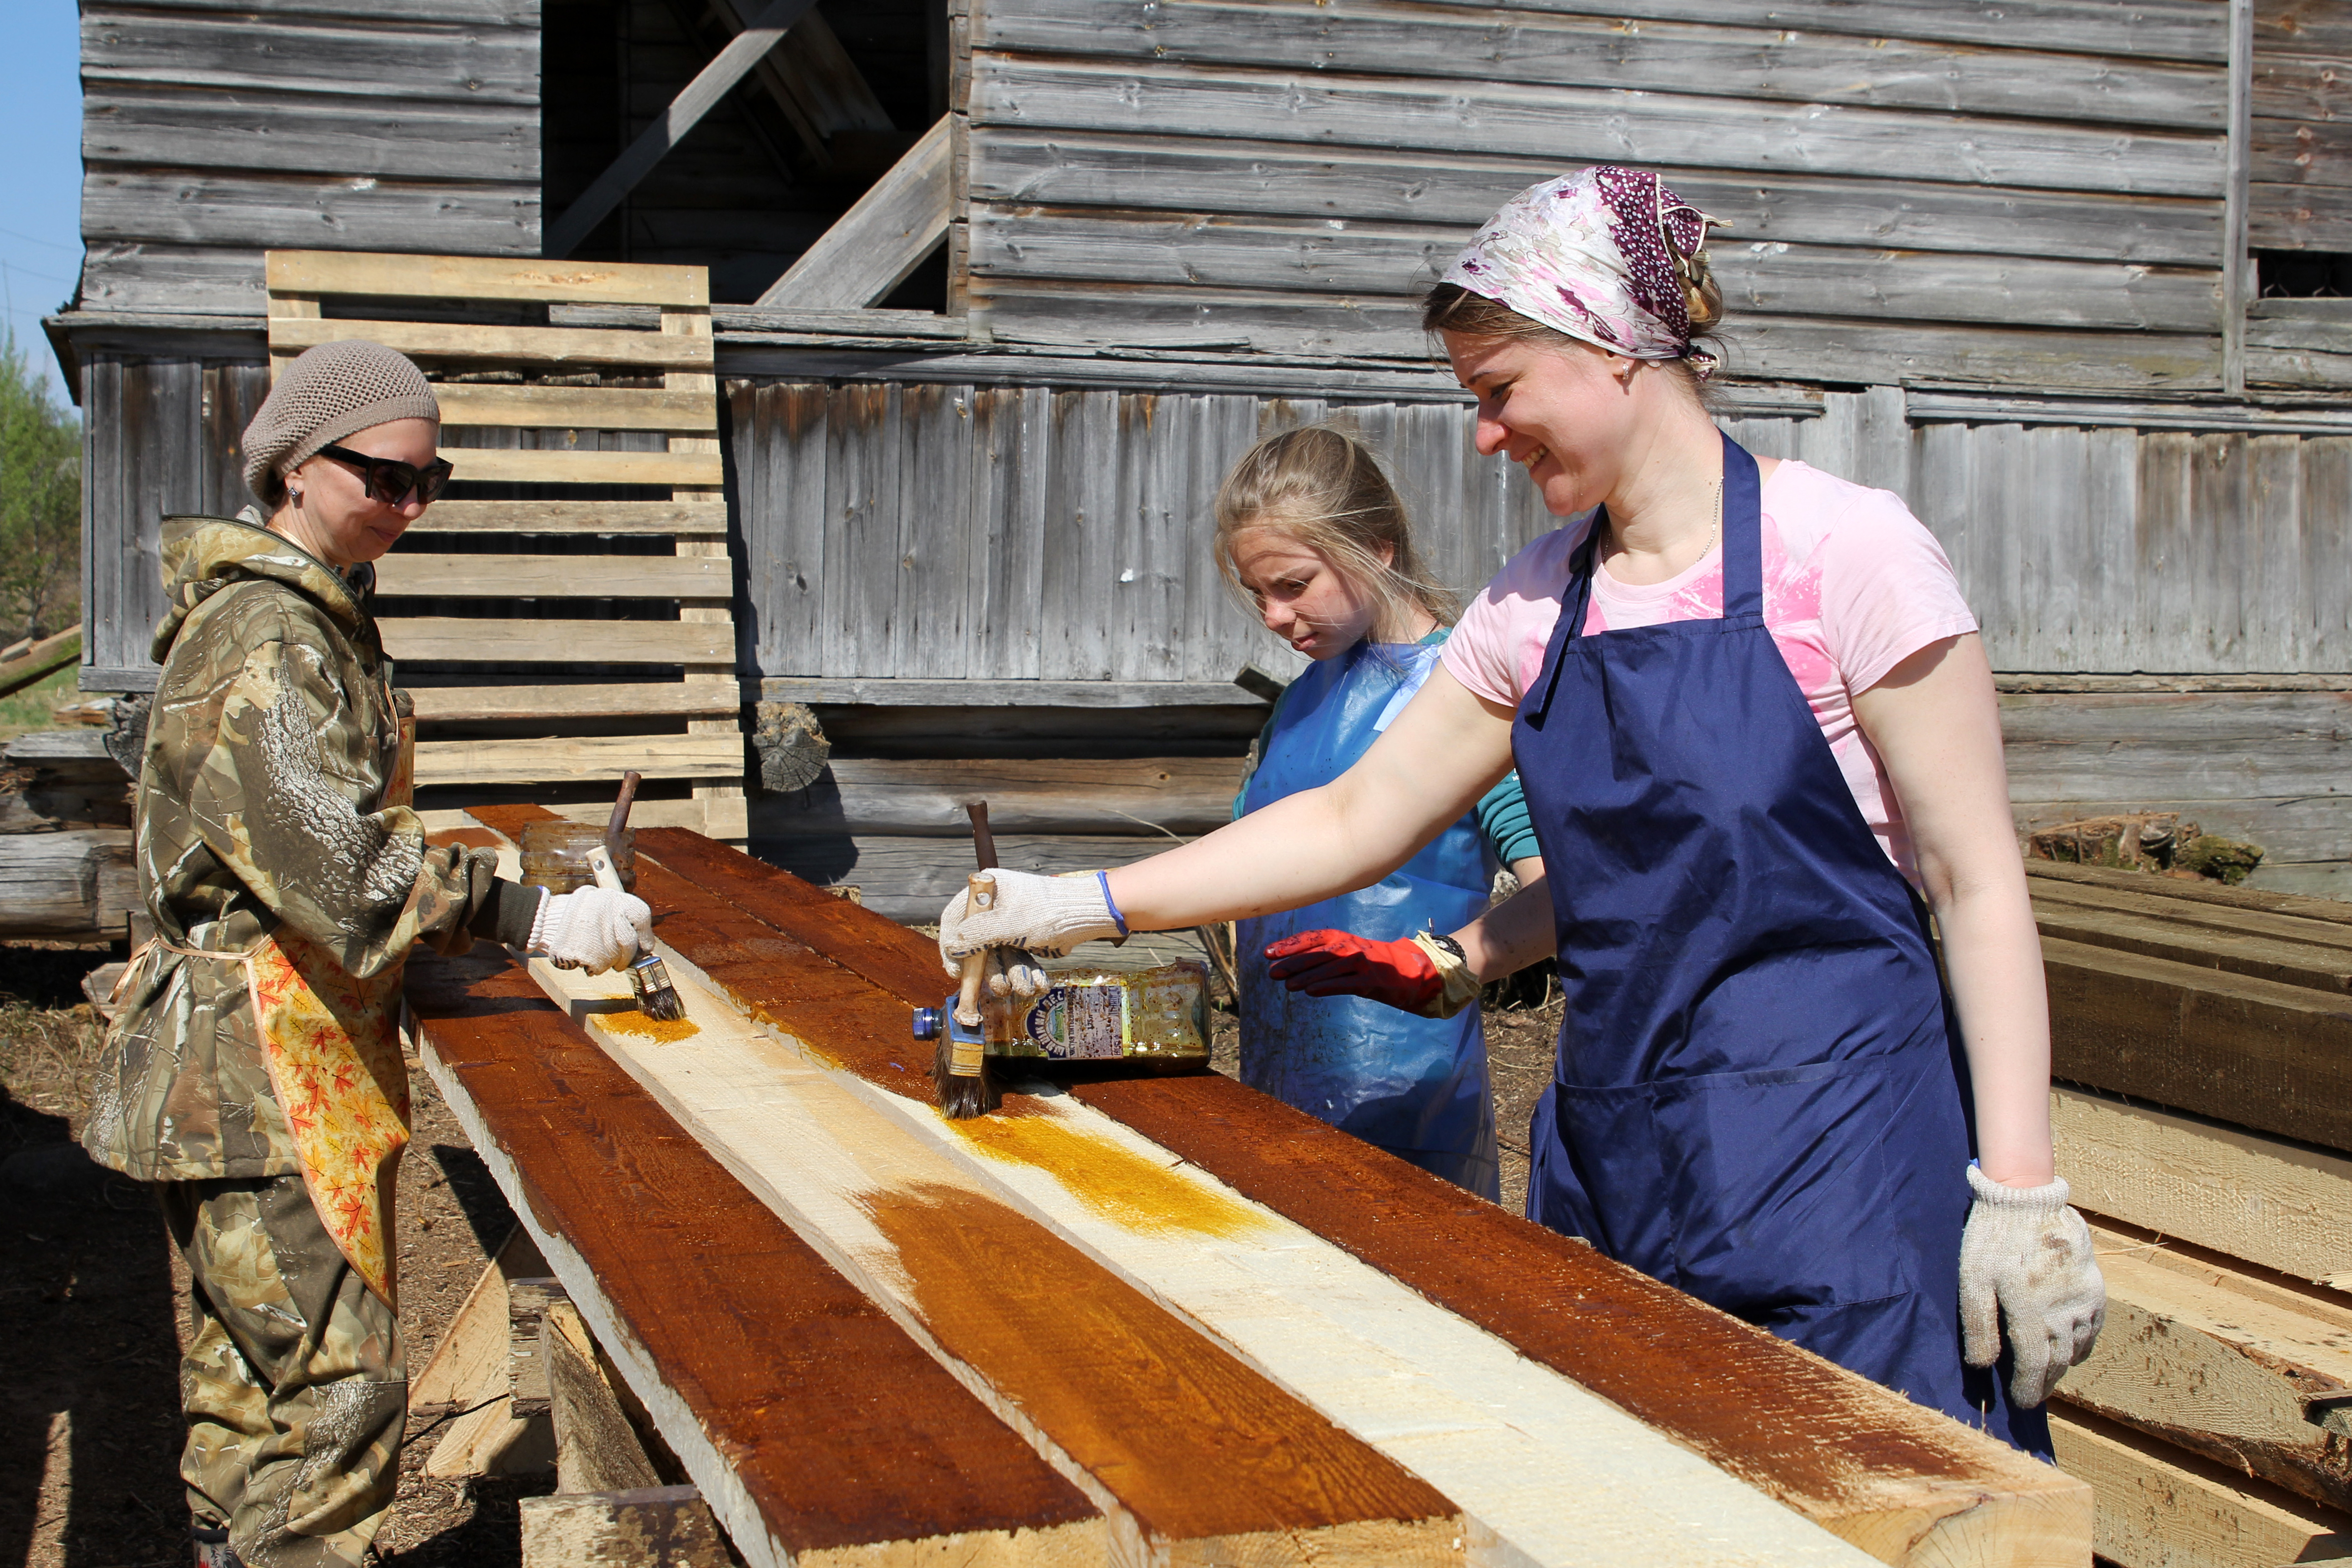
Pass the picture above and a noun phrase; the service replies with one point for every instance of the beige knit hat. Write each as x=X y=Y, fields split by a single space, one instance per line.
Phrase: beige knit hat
x=332 y=391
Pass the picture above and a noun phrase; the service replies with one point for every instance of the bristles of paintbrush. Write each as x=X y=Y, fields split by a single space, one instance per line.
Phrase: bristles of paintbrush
x=961 y=1098
x=656 y=998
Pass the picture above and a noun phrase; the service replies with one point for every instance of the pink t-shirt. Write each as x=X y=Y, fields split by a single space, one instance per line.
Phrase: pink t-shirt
x=1854 y=584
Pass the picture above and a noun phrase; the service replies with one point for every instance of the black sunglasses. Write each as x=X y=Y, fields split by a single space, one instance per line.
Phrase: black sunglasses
x=389 y=480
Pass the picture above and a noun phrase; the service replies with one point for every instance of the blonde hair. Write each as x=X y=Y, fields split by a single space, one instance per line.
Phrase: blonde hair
x=1323 y=489
x=1450 y=308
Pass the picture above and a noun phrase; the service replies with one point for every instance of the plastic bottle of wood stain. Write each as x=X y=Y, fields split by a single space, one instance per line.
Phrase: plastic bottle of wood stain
x=1155 y=1015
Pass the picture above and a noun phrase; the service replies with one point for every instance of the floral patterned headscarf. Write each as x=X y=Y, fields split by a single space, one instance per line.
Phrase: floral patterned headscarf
x=1601 y=254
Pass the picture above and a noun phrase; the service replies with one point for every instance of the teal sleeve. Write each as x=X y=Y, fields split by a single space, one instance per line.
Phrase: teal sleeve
x=1502 y=813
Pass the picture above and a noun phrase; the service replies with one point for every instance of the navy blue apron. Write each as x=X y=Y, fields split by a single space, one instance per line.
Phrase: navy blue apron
x=1759 y=1096
x=1417 y=1087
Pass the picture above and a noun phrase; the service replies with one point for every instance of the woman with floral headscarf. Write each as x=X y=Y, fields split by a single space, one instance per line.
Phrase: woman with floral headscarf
x=1757 y=737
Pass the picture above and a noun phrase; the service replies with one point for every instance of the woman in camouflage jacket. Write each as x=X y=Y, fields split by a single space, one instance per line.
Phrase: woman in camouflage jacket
x=254 y=1073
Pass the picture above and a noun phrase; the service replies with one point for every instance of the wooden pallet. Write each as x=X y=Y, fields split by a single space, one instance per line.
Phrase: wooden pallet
x=546 y=732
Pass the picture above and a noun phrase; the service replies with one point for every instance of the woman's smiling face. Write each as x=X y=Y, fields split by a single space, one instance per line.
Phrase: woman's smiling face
x=1565 y=413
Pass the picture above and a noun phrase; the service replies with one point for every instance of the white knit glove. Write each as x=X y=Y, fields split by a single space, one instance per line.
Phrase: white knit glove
x=1016 y=973
x=1041 y=914
x=591 y=929
x=2026 y=1259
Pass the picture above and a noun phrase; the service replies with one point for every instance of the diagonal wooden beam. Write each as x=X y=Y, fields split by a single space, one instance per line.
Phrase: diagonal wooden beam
x=717 y=80
x=876 y=244
x=813 y=82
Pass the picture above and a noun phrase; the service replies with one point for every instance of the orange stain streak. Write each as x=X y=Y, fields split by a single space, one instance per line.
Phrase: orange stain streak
x=1113 y=1182
x=633 y=1022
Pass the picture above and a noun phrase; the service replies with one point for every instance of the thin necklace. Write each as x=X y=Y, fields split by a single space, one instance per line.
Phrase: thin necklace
x=1713 y=530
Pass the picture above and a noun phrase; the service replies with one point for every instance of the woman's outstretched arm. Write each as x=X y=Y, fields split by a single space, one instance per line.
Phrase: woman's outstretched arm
x=1935 y=725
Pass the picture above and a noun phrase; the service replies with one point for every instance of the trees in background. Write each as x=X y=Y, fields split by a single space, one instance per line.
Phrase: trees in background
x=40 y=502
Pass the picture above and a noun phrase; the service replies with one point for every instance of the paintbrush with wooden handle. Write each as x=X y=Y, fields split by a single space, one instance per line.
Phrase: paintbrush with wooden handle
x=648 y=976
x=960 y=1066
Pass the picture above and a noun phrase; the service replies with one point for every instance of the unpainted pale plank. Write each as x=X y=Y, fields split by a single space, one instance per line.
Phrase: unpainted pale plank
x=397 y=276
x=616 y=517
x=532 y=760
x=517 y=345
x=557 y=641
x=472 y=576
x=887 y=234
x=2161 y=1507
x=576 y=407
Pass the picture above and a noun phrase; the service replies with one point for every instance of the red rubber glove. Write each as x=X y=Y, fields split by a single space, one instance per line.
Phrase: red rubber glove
x=1335 y=964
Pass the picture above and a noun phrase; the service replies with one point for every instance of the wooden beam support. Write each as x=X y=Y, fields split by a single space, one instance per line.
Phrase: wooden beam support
x=601 y=757
x=507 y=466
x=712 y=83
x=2161 y=1508
x=654 y=1527
x=616 y=517
x=813 y=82
x=575 y=408
x=596 y=1449
x=2222 y=1361
x=557 y=642
x=819 y=1434
x=878 y=242
x=632 y=698
x=1864 y=1463
x=434 y=340
x=471 y=576
x=405 y=277
x=2275 y=1205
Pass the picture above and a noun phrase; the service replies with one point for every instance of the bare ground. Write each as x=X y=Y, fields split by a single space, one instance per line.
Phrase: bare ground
x=89 y=1286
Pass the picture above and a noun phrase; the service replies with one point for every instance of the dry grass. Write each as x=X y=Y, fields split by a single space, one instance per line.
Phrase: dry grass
x=50 y=1037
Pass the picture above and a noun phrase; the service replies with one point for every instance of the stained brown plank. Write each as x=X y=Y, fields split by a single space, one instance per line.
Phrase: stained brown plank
x=1863 y=1462
x=839 y=1431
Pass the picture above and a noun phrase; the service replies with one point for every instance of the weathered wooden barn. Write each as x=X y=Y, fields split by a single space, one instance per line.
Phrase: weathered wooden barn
x=1001 y=287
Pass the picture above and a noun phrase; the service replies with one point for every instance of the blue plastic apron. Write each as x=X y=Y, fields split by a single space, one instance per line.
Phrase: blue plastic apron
x=1759 y=1096
x=1417 y=1087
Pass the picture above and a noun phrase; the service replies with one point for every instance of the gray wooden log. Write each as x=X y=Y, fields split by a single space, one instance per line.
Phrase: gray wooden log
x=1318 y=180
x=347 y=138
x=597 y=1448
x=926 y=798
x=791 y=746
x=1763 y=60
x=712 y=83
x=658 y=1527
x=527 y=1377
x=1204 y=249
x=879 y=241
x=252 y=210
x=465 y=13
x=68 y=885
x=1572 y=124
x=347 y=56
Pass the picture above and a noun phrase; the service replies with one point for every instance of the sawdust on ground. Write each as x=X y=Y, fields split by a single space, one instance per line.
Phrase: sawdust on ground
x=89 y=1304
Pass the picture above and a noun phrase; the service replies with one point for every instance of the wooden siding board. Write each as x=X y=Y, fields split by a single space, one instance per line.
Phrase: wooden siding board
x=1081 y=502
x=929 y=633
x=2277 y=630
x=2298 y=217
x=346 y=56
x=524 y=13
x=1207 y=250
x=783 y=487
x=1010 y=455
x=857 y=591
x=1769 y=59
x=2327 y=563
x=1288 y=179
x=1582 y=124
x=105 y=520
x=2302 y=26
x=284 y=133
x=1159 y=548
x=1221 y=633
x=201 y=207
x=2167 y=29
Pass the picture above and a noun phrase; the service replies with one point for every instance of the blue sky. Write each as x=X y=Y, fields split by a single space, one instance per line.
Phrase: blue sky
x=40 y=177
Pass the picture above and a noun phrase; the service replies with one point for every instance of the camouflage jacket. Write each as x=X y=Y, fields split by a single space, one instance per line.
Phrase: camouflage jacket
x=272 y=738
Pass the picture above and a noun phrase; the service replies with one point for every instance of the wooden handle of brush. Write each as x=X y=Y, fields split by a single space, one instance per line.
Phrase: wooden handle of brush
x=983 y=842
x=980 y=893
x=621 y=805
x=600 y=860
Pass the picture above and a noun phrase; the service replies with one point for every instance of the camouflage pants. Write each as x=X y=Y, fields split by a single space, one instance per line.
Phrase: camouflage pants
x=293 y=1383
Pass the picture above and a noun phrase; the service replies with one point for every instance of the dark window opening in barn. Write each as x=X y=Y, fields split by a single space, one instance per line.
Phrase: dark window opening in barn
x=769 y=169
x=2303 y=274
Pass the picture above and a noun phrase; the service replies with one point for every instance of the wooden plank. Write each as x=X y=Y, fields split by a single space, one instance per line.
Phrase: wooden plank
x=989 y=693
x=2193 y=919
x=556 y=641
x=1454 y=1404
x=1579 y=123
x=879 y=241
x=1774 y=62
x=780 y=451
x=1201 y=1459
x=1902 y=1482
x=2298 y=217
x=477 y=13
x=227 y=207
x=2161 y=1508
x=2333 y=911
x=145 y=125
x=468 y=1361
x=45 y=658
x=2268 y=1056
x=1290 y=179
x=415 y=573
x=1209 y=249
x=815 y=1430
x=572 y=517
x=596 y=1450
x=576 y=407
x=68 y=885
x=2222 y=1362
x=913 y=797
x=530 y=759
x=443 y=705
x=2296 y=152
x=671 y=1527
x=2176 y=745
x=2179 y=29
x=2276 y=1204
x=348 y=56
x=398 y=275
x=2323 y=966
x=511 y=346
x=713 y=82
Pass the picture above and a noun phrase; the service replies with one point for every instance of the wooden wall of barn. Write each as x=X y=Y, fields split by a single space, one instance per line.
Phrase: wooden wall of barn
x=2029 y=194
x=213 y=130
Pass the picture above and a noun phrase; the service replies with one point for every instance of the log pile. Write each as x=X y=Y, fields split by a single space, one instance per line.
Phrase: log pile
x=66 y=869
x=2204 y=1120
x=1153 y=1319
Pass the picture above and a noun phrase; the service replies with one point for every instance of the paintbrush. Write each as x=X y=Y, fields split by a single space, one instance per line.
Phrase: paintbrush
x=648 y=977
x=960 y=1065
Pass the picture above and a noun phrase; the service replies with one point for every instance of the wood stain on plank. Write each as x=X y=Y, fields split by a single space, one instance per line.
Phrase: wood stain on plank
x=1863 y=1462
x=845 y=1436
x=1112 y=1181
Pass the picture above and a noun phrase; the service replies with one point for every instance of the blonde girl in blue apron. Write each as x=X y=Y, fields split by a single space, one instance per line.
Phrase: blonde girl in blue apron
x=1764 y=1094
x=1309 y=529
